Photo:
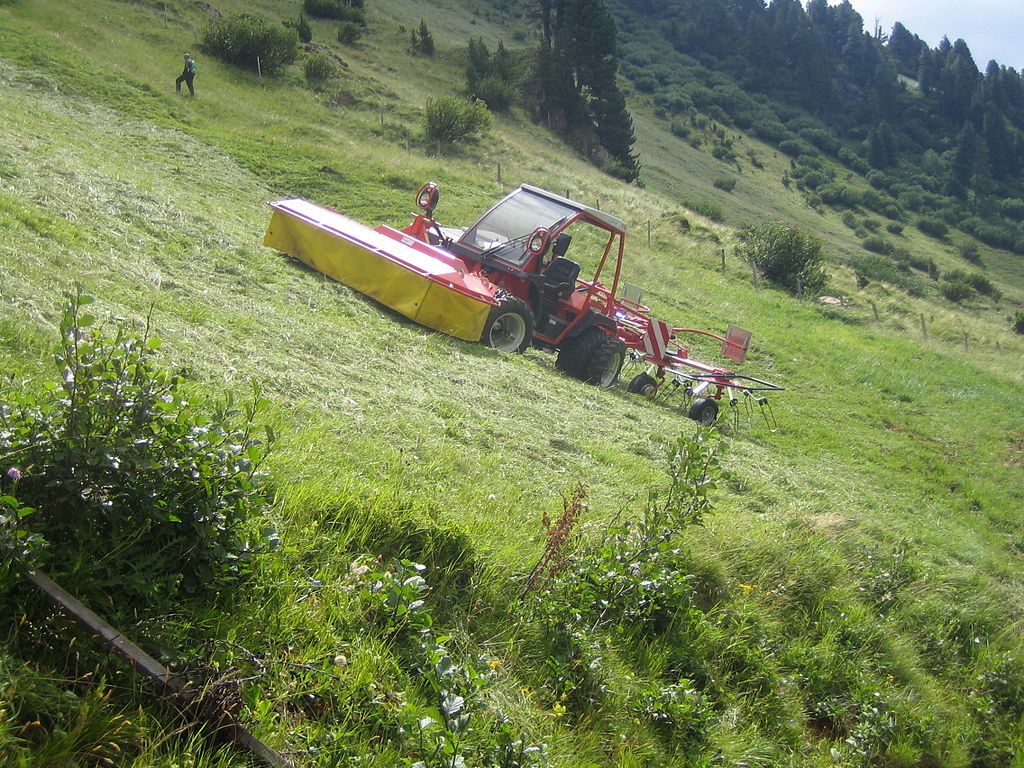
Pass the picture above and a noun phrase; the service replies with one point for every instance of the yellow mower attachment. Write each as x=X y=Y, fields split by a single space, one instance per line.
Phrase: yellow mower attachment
x=401 y=272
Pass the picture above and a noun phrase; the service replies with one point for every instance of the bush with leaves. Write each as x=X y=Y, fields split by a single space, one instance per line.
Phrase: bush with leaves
x=340 y=10
x=319 y=67
x=243 y=38
x=705 y=208
x=957 y=291
x=136 y=493
x=633 y=579
x=1018 y=322
x=452 y=118
x=933 y=226
x=877 y=244
x=348 y=32
x=785 y=254
x=302 y=28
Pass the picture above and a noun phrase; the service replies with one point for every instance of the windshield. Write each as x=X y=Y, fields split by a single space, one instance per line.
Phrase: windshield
x=510 y=222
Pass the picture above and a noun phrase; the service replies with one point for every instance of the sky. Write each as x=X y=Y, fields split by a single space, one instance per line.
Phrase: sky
x=992 y=29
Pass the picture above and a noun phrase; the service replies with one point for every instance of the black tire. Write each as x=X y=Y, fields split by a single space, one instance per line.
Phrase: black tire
x=510 y=326
x=643 y=384
x=704 y=410
x=593 y=357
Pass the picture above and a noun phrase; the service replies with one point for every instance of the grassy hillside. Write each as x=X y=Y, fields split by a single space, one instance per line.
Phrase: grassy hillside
x=853 y=598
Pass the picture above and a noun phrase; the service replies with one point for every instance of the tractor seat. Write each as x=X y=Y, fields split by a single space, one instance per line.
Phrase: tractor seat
x=560 y=276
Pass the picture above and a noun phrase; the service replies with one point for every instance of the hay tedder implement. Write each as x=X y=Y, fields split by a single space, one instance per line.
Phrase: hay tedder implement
x=506 y=282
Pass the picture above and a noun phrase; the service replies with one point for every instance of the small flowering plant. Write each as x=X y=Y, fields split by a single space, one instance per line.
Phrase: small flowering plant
x=15 y=540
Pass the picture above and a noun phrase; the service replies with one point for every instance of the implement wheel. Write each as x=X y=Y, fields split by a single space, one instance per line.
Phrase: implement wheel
x=705 y=411
x=510 y=326
x=643 y=384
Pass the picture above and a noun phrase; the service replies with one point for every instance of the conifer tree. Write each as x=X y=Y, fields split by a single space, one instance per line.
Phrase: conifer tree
x=575 y=73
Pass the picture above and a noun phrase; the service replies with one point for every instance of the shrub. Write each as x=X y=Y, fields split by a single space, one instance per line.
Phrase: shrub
x=1018 y=322
x=301 y=27
x=793 y=147
x=970 y=252
x=932 y=226
x=341 y=10
x=996 y=235
x=319 y=67
x=348 y=32
x=823 y=139
x=680 y=129
x=894 y=227
x=137 y=494
x=853 y=161
x=869 y=268
x=839 y=195
x=451 y=118
x=241 y=39
x=984 y=286
x=903 y=257
x=771 y=130
x=1012 y=208
x=957 y=291
x=725 y=184
x=705 y=208
x=785 y=254
x=850 y=220
x=878 y=180
x=877 y=244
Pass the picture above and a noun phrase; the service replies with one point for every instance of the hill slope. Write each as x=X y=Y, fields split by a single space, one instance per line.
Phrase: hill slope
x=854 y=597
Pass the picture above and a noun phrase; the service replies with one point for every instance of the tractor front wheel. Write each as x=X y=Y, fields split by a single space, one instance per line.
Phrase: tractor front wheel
x=510 y=326
x=704 y=410
x=593 y=357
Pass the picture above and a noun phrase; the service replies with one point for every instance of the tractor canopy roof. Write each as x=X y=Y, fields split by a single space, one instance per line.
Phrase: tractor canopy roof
x=519 y=213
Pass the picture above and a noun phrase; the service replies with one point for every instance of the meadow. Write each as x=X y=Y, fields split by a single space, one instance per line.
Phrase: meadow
x=851 y=595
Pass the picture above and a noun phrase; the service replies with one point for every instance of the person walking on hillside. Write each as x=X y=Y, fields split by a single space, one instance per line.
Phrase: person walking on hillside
x=186 y=76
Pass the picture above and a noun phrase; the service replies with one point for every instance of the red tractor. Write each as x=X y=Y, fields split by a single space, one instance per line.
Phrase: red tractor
x=508 y=282
x=519 y=247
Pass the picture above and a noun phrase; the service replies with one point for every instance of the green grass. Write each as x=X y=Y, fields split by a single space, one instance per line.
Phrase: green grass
x=871 y=544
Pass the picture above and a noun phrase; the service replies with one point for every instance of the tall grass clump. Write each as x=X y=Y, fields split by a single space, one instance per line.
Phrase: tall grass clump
x=136 y=493
x=243 y=38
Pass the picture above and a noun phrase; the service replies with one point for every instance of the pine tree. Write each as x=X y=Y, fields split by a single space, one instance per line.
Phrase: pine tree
x=575 y=79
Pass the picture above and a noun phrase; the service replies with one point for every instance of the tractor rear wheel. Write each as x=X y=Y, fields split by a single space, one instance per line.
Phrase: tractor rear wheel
x=643 y=384
x=510 y=326
x=593 y=357
x=704 y=410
